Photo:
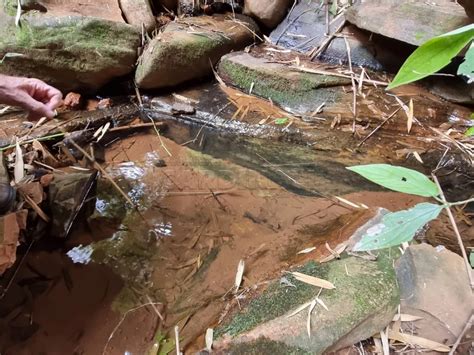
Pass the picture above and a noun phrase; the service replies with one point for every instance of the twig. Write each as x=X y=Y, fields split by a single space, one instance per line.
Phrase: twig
x=458 y=341
x=122 y=320
x=327 y=72
x=456 y=231
x=378 y=127
x=326 y=15
x=318 y=50
x=354 y=87
x=176 y=335
x=45 y=138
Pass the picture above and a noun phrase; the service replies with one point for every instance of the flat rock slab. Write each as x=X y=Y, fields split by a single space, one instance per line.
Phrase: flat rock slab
x=434 y=285
x=304 y=28
x=364 y=301
x=187 y=49
x=138 y=13
x=413 y=22
x=73 y=53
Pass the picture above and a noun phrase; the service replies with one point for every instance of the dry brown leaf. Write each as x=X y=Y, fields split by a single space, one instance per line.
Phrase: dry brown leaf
x=19 y=170
x=419 y=341
x=315 y=281
x=410 y=116
x=308 y=322
x=299 y=309
x=239 y=275
x=405 y=318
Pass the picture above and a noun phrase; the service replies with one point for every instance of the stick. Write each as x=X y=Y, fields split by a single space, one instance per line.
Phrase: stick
x=316 y=52
x=378 y=127
x=354 y=88
x=458 y=341
x=456 y=231
x=327 y=72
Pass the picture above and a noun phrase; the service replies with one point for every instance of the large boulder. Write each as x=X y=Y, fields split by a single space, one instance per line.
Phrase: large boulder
x=364 y=302
x=434 y=286
x=268 y=12
x=187 y=49
x=72 y=53
x=413 y=22
x=138 y=13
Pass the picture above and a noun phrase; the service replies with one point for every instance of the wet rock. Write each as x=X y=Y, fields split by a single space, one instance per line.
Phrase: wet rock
x=268 y=12
x=364 y=301
x=297 y=91
x=454 y=89
x=67 y=196
x=412 y=22
x=434 y=285
x=468 y=7
x=178 y=55
x=101 y=50
x=10 y=226
x=304 y=29
x=138 y=13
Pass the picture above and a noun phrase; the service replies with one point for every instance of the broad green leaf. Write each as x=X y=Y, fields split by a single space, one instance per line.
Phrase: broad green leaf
x=471 y=258
x=466 y=68
x=398 y=179
x=281 y=121
x=398 y=227
x=433 y=56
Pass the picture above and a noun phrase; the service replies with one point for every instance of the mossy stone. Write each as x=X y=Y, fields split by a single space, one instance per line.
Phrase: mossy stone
x=71 y=53
x=364 y=301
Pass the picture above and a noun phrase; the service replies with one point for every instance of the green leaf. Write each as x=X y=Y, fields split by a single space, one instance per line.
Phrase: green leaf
x=466 y=68
x=398 y=179
x=281 y=120
x=398 y=227
x=433 y=56
x=471 y=258
x=469 y=132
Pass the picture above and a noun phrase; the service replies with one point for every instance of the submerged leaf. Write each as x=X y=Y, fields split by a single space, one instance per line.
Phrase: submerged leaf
x=398 y=179
x=398 y=227
x=433 y=56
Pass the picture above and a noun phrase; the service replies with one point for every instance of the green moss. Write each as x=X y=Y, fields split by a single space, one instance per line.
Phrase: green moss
x=274 y=302
x=285 y=88
x=362 y=288
x=265 y=346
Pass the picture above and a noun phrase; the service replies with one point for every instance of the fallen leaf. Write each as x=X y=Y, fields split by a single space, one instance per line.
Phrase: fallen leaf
x=306 y=251
x=410 y=116
x=311 y=280
x=209 y=338
x=299 y=309
x=405 y=318
x=308 y=323
x=419 y=341
x=239 y=275
x=19 y=170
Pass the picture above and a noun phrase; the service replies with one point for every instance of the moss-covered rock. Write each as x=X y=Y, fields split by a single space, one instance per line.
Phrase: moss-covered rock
x=71 y=53
x=364 y=301
x=186 y=49
x=301 y=92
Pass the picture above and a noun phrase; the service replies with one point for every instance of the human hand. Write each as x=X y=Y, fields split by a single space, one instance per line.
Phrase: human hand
x=33 y=95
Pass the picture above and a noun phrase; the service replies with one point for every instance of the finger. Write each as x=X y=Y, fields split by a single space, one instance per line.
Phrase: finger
x=37 y=109
x=55 y=99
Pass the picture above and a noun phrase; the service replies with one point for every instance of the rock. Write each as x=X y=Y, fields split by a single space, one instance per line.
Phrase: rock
x=434 y=285
x=67 y=195
x=188 y=7
x=412 y=22
x=138 y=13
x=10 y=226
x=468 y=7
x=268 y=12
x=364 y=301
x=73 y=101
x=298 y=92
x=72 y=8
x=304 y=29
x=170 y=5
x=453 y=89
x=73 y=53
x=178 y=55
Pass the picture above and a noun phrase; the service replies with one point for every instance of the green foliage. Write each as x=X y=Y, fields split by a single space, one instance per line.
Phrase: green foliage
x=398 y=179
x=435 y=55
x=163 y=345
x=471 y=258
x=398 y=227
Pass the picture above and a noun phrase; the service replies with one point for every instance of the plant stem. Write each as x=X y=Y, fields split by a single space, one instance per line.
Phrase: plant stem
x=456 y=231
x=460 y=202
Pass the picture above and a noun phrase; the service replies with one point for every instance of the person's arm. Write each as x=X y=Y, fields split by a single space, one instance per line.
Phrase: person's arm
x=33 y=95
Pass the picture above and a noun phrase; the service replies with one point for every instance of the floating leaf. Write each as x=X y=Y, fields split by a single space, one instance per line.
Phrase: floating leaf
x=433 y=56
x=398 y=227
x=398 y=179
x=466 y=68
